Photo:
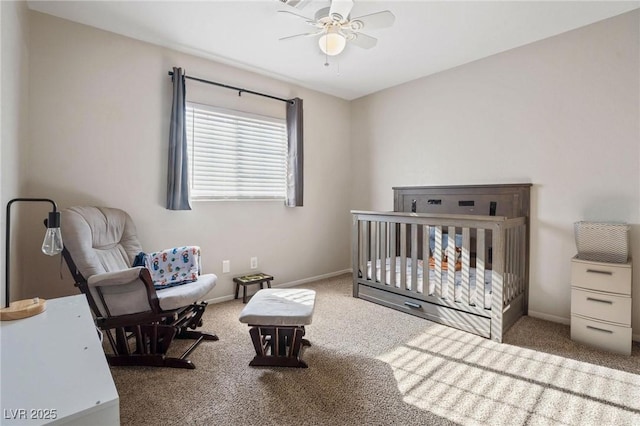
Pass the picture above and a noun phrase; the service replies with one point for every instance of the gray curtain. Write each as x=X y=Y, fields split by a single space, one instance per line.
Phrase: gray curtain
x=295 y=180
x=178 y=172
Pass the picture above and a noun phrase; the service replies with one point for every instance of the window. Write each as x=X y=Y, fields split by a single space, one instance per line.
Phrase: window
x=235 y=155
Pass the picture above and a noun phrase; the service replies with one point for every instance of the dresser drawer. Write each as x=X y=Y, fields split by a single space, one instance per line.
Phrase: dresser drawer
x=610 y=337
x=609 y=277
x=601 y=306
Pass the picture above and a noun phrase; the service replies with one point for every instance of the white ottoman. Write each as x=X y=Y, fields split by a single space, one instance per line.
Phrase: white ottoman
x=277 y=318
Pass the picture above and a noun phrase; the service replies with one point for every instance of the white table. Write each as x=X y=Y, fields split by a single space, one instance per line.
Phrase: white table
x=53 y=369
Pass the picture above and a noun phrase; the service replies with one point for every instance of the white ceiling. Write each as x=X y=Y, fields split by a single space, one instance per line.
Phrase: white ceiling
x=427 y=37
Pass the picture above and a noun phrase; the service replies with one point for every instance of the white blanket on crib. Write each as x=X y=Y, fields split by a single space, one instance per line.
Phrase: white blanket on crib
x=457 y=295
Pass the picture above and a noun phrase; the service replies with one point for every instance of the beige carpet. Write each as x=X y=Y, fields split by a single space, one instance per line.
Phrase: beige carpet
x=371 y=365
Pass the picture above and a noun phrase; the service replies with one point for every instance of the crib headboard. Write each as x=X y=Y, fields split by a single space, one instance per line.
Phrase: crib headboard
x=510 y=200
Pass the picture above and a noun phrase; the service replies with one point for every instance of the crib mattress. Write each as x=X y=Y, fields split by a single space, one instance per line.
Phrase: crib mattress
x=420 y=288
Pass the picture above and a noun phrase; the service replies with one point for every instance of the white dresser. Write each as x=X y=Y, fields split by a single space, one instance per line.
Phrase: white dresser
x=54 y=370
x=601 y=304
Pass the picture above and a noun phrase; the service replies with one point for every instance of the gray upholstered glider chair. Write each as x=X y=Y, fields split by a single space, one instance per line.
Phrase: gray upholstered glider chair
x=139 y=319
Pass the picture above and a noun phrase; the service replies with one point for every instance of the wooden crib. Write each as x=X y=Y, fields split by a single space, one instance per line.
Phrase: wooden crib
x=459 y=256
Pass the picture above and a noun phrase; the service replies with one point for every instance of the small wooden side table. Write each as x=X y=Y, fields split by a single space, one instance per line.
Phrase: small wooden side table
x=245 y=280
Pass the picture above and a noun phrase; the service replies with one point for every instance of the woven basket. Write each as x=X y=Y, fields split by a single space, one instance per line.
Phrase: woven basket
x=602 y=242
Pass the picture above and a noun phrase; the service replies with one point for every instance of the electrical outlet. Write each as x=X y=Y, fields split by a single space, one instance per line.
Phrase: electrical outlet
x=226 y=266
x=254 y=263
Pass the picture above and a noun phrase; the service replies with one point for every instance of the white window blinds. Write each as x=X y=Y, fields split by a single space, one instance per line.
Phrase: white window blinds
x=234 y=155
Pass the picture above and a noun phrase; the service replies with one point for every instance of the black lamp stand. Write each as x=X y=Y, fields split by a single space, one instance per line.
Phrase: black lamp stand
x=28 y=307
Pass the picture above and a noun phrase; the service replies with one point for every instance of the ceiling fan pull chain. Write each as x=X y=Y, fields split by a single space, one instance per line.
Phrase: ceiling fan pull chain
x=326 y=51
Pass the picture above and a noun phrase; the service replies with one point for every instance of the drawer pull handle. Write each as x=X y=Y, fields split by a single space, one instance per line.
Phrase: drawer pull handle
x=600 y=329
x=595 y=271
x=608 y=302
x=413 y=305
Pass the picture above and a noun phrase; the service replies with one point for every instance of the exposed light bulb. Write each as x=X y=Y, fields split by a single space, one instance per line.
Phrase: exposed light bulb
x=52 y=243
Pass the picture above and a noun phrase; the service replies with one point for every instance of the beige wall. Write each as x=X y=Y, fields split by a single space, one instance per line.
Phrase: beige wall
x=14 y=86
x=562 y=113
x=99 y=126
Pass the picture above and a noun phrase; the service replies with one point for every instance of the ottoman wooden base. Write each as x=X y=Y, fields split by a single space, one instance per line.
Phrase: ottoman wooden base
x=277 y=318
x=278 y=346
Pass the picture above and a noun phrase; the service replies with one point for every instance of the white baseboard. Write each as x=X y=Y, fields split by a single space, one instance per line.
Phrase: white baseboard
x=552 y=318
x=316 y=278
x=220 y=299
x=226 y=298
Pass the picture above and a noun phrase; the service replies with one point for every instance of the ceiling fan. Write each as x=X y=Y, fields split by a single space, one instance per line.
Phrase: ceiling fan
x=336 y=28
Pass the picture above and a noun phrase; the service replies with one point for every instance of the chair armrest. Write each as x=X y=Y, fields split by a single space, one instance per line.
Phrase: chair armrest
x=124 y=276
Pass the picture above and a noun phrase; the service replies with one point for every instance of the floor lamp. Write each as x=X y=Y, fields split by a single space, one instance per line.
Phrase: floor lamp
x=51 y=246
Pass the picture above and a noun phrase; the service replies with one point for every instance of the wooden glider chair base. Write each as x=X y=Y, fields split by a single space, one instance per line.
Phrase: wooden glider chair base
x=277 y=318
x=152 y=341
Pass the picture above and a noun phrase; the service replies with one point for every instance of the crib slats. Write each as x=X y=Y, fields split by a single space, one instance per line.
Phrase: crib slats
x=451 y=264
x=392 y=254
x=383 y=252
x=518 y=260
x=365 y=251
x=437 y=257
x=511 y=268
x=465 y=280
x=403 y=255
x=517 y=254
x=480 y=251
x=506 y=287
x=414 y=258
x=511 y=265
x=514 y=263
x=374 y=249
x=425 y=259
x=497 y=281
x=520 y=256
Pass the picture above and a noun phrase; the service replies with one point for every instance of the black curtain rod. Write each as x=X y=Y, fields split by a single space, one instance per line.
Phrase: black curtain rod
x=238 y=89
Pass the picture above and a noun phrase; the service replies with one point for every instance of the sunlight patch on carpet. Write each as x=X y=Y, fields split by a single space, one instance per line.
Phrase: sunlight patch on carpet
x=472 y=380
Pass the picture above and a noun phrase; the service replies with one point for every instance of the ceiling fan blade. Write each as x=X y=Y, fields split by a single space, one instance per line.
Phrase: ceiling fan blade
x=307 y=20
x=362 y=40
x=373 y=21
x=340 y=9
x=301 y=35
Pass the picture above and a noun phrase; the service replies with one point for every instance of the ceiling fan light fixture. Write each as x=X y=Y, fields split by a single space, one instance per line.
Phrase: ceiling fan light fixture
x=332 y=42
x=335 y=28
